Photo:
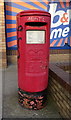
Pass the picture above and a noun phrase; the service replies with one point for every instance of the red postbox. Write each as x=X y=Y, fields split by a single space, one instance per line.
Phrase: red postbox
x=33 y=39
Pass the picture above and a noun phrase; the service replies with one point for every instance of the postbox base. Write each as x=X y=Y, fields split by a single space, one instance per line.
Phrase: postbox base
x=32 y=100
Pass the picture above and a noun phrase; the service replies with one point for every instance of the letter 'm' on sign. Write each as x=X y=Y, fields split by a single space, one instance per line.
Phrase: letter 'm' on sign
x=56 y=33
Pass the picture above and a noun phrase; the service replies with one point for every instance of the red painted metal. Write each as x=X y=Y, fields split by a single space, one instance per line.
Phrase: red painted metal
x=33 y=59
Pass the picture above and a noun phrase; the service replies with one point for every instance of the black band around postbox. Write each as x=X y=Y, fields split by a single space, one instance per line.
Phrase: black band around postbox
x=18 y=56
x=20 y=28
x=18 y=41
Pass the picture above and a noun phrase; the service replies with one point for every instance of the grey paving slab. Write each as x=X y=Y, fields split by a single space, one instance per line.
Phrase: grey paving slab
x=11 y=108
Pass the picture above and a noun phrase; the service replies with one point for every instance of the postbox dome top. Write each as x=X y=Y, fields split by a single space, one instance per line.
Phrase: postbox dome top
x=33 y=12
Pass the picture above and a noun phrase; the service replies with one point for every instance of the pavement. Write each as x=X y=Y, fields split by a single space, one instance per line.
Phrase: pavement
x=10 y=106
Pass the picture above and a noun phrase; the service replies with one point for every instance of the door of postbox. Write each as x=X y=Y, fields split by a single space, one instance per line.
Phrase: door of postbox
x=33 y=50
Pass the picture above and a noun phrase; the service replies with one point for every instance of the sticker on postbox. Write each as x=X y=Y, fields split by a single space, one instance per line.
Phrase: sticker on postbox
x=35 y=36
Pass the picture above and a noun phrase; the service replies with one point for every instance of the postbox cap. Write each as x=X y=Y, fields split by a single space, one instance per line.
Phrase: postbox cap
x=33 y=12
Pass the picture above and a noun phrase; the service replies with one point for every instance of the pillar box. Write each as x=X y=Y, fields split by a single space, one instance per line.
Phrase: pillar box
x=33 y=40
